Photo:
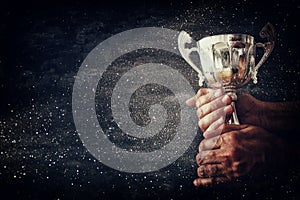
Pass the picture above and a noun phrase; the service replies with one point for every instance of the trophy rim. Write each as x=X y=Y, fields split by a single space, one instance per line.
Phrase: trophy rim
x=229 y=37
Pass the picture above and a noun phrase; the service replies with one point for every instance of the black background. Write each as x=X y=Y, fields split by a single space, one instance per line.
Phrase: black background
x=43 y=43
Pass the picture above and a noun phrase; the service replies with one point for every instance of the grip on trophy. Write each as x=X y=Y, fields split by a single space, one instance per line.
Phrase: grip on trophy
x=268 y=32
x=183 y=39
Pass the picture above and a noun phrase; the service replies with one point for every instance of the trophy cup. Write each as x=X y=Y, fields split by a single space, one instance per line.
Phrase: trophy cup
x=226 y=60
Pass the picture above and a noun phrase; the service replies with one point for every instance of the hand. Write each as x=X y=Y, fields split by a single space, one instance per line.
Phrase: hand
x=214 y=106
x=238 y=151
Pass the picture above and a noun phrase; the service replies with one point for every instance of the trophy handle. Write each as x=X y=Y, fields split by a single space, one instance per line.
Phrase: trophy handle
x=183 y=39
x=268 y=32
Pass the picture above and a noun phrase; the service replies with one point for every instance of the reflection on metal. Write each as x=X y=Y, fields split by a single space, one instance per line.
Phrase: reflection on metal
x=227 y=60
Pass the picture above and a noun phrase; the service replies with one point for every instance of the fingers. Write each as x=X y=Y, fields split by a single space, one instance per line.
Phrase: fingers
x=210 y=157
x=227 y=128
x=214 y=132
x=203 y=96
x=213 y=105
x=210 y=170
x=215 y=129
x=219 y=127
x=191 y=102
x=219 y=114
x=210 y=143
x=213 y=168
x=220 y=159
x=211 y=174
x=210 y=181
x=206 y=95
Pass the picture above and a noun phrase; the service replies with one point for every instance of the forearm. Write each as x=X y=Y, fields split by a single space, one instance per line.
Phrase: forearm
x=282 y=118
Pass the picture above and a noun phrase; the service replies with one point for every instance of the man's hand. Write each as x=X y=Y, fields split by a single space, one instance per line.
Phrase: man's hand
x=239 y=150
x=214 y=106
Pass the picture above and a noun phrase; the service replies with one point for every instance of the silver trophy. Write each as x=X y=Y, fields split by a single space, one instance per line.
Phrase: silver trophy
x=226 y=60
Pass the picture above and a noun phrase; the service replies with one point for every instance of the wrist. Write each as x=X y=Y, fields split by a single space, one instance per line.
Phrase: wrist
x=263 y=116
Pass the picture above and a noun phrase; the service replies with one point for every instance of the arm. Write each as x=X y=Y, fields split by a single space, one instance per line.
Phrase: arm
x=282 y=117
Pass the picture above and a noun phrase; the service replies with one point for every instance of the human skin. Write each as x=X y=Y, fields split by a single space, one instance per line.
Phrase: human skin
x=232 y=151
x=213 y=106
x=239 y=150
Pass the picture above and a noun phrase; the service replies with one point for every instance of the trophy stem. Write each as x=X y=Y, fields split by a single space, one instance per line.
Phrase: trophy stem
x=233 y=119
x=231 y=91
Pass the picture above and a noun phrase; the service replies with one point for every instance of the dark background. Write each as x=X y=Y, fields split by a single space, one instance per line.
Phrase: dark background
x=42 y=45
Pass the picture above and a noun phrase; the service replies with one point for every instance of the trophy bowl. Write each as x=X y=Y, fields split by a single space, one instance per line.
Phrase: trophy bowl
x=226 y=60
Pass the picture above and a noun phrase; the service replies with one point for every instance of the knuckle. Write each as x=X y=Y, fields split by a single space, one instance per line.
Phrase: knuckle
x=198 y=102
x=201 y=145
x=232 y=153
x=220 y=140
x=237 y=170
x=213 y=154
x=201 y=101
x=204 y=171
x=231 y=138
x=200 y=112
x=207 y=109
x=214 y=169
x=202 y=91
x=200 y=171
